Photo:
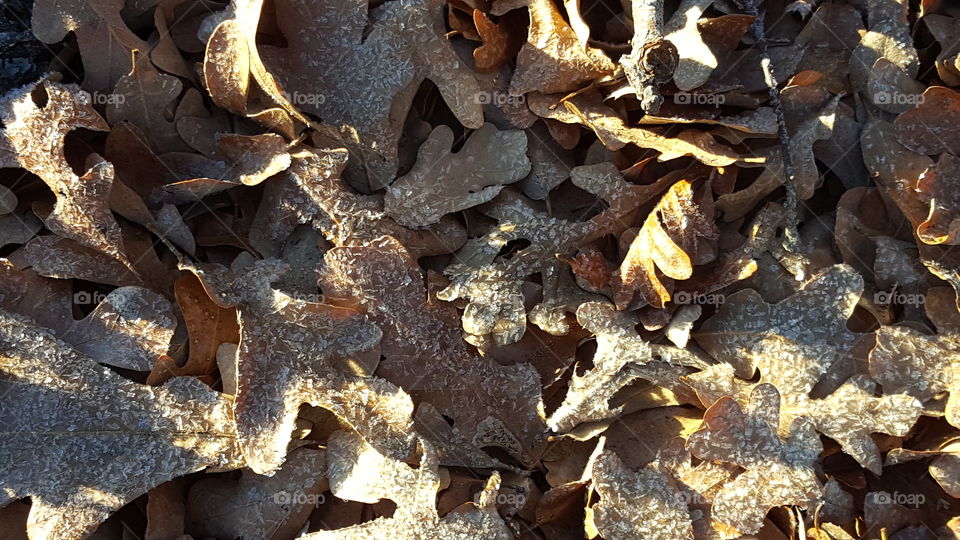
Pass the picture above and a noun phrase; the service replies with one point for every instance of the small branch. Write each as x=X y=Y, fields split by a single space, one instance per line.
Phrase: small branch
x=652 y=59
x=792 y=237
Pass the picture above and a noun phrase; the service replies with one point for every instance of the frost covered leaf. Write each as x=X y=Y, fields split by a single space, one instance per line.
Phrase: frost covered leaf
x=922 y=366
x=641 y=504
x=358 y=472
x=130 y=329
x=256 y=506
x=930 y=127
x=666 y=241
x=815 y=316
x=293 y=352
x=37 y=135
x=106 y=42
x=491 y=405
x=553 y=59
x=81 y=441
x=142 y=98
x=777 y=471
x=492 y=283
x=442 y=182
x=403 y=46
x=849 y=415
x=622 y=356
x=311 y=191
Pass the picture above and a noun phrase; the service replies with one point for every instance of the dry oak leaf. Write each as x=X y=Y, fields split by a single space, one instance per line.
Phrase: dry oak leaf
x=642 y=504
x=553 y=60
x=810 y=113
x=669 y=236
x=442 y=182
x=311 y=191
x=144 y=97
x=358 y=472
x=944 y=30
x=294 y=352
x=332 y=53
x=493 y=284
x=614 y=132
x=36 y=131
x=815 y=316
x=131 y=328
x=939 y=187
x=697 y=61
x=622 y=356
x=778 y=472
x=256 y=506
x=81 y=441
x=849 y=415
x=208 y=326
x=424 y=353
x=105 y=41
x=922 y=366
x=931 y=126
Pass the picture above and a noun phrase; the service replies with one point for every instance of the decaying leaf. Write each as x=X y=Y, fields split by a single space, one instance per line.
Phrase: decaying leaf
x=553 y=60
x=621 y=357
x=906 y=361
x=493 y=283
x=37 y=134
x=293 y=352
x=358 y=472
x=641 y=504
x=503 y=408
x=778 y=471
x=82 y=441
x=403 y=47
x=258 y=506
x=668 y=237
x=442 y=183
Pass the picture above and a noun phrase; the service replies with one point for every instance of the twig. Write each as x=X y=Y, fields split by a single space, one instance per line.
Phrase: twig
x=652 y=59
x=792 y=237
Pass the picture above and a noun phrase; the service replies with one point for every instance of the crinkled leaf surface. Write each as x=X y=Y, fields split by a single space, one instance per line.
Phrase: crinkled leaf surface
x=81 y=441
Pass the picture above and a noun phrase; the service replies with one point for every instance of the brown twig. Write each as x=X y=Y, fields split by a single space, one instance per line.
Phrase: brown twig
x=652 y=59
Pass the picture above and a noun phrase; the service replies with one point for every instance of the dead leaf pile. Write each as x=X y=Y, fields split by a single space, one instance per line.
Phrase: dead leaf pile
x=498 y=269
